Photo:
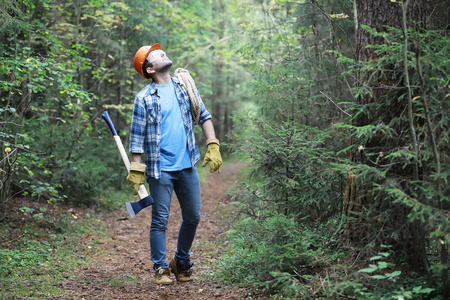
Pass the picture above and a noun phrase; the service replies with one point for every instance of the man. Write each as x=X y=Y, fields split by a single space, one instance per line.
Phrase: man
x=162 y=130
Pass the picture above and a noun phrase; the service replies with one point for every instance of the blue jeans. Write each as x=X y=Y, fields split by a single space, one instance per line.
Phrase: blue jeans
x=186 y=185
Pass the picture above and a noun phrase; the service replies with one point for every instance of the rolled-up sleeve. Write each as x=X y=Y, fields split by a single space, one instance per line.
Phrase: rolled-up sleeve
x=137 y=131
x=204 y=114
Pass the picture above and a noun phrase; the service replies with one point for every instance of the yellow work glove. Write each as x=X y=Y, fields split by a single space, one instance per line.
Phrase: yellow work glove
x=213 y=156
x=136 y=177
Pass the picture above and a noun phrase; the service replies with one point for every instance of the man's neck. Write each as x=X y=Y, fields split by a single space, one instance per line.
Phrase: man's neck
x=161 y=78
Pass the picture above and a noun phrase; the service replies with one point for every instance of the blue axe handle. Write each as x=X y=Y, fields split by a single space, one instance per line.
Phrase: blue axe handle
x=110 y=123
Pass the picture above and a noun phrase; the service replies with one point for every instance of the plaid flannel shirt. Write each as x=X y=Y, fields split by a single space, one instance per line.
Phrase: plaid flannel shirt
x=145 y=135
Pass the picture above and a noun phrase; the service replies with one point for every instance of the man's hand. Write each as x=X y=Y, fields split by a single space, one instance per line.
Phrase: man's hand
x=213 y=156
x=136 y=177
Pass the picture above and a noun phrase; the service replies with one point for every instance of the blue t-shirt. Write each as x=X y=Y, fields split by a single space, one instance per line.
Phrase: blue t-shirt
x=174 y=148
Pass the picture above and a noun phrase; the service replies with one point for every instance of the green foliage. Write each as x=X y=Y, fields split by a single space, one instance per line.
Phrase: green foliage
x=43 y=245
x=28 y=168
x=63 y=63
x=385 y=282
x=51 y=147
x=383 y=143
x=295 y=184
x=87 y=167
x=290 y=160
x=25 y=262
x=380 y=265
x=272 y=253
x=12 y=18
x=302 y=147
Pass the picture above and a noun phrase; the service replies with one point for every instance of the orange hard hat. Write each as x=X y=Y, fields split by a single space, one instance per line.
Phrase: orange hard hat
x=141 y=56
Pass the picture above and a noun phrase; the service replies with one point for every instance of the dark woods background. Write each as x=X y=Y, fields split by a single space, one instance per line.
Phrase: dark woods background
x=341 y=109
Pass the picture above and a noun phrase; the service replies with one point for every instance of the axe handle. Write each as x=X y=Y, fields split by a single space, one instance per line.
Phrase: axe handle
x=142 y=190
x=122 y=152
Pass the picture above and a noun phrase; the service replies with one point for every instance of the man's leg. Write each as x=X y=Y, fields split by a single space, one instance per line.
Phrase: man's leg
x=187 y=189
x=161 y=191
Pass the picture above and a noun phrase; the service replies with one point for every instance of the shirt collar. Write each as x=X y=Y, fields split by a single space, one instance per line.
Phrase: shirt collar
x=175 y=80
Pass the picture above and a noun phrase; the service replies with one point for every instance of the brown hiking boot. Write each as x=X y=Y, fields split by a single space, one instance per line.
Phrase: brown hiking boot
x=162 y=276
x=183 y=273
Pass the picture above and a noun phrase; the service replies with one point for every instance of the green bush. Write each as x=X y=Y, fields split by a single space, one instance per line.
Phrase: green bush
x=273 y=253
x=383 y=280
x=82 y=163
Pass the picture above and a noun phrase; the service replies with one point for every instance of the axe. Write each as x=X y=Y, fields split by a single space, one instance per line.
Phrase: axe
x=132 y=207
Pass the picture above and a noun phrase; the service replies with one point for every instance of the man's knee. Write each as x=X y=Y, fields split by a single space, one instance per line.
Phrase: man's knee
x=159 y=223
x=158 y=227
x=192 y=220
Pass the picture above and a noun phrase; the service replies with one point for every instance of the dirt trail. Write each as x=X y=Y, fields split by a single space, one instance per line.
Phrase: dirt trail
x=121 y=266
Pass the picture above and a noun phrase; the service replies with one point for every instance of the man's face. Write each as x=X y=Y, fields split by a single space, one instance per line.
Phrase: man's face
x=159 y=60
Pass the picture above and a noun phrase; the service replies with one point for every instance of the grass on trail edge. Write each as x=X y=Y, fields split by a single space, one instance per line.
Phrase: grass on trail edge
x=40 y=251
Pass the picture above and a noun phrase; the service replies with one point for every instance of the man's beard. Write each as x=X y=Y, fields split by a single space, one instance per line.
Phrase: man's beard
x=165 y=68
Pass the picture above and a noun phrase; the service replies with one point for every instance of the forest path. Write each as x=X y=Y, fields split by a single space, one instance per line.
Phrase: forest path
x=121 y=268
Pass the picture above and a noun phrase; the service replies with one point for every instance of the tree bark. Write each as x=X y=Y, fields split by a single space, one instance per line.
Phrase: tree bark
x=360 y=198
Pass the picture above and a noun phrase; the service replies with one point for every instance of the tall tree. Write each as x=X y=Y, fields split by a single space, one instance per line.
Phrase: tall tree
x=386 y=130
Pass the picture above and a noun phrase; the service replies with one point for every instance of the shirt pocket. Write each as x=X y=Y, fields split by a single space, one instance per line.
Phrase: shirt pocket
x=151 y=116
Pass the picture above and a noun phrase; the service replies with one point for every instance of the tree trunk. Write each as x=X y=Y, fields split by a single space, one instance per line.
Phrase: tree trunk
x=360 y=198
x=219 y=81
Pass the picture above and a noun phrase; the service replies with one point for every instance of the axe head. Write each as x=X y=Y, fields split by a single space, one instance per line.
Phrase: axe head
x=134 y=207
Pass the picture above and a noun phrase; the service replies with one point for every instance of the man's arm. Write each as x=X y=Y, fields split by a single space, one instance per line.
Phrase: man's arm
x=208 y=129
x=136 y=157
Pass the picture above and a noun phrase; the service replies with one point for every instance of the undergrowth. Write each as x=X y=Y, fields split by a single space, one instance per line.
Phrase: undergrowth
x=276 y=255
x=282 y=259
x=40 y=247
